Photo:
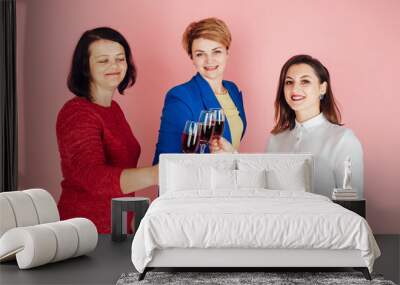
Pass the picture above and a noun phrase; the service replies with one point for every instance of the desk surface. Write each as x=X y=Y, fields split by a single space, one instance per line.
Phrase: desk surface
x=110 y=259
x=102 y=266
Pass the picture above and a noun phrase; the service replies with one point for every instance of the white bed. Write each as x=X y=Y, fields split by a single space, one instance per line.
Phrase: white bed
x=218 y=211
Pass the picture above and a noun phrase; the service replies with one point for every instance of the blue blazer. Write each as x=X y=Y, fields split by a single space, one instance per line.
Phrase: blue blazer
x=185 y=102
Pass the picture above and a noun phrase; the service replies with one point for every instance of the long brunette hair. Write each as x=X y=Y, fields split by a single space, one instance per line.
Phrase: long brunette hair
x=284 y=115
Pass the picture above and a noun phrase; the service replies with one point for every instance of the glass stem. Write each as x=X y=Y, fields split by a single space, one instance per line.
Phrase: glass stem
x=202 y=148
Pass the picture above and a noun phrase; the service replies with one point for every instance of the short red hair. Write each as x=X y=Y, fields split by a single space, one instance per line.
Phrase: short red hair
x=211 y=28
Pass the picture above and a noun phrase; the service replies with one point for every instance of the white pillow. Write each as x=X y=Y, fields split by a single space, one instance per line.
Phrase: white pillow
x=251 y=178
x=227 y=179
x=282 y=174
x=288 y=179
x=183 y=177
x=223 y=179
x=228 y=164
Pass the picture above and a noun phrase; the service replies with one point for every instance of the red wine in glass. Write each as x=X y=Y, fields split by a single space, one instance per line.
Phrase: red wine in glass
x=191 y=137
x=207 y=128
x=219 y=122
x=206 y=132
x=189 y=143
x=218 y=129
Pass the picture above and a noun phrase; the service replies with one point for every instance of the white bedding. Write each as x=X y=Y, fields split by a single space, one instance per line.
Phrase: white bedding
x=251 y=218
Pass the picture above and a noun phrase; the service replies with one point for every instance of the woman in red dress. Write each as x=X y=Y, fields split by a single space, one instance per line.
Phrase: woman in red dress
x=98 y=150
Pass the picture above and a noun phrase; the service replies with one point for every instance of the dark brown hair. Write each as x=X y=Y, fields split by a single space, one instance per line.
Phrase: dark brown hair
x=79 y=75
x=211 y=29
x=284 y=115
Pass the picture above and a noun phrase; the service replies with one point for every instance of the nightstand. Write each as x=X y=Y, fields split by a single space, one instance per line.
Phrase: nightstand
x=357 y=206
x=119 y=207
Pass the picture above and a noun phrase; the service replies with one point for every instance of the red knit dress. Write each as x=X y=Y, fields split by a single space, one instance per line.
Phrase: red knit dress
x=95 y=145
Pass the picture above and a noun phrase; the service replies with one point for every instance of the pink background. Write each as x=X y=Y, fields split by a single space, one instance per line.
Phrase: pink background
x=358 y=40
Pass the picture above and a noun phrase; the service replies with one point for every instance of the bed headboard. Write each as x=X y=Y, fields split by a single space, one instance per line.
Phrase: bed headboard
x=234 y=161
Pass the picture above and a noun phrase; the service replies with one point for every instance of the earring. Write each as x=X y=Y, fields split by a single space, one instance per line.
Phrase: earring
x=321 y=96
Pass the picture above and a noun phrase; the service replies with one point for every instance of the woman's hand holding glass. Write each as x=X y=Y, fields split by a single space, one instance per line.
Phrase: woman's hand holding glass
x=207 y=131
x=221 y=145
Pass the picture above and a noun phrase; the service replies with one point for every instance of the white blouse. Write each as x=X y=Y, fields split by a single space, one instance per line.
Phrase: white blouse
x=330 y=144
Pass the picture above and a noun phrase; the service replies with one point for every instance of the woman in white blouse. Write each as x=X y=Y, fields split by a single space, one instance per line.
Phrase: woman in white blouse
x=307 y=119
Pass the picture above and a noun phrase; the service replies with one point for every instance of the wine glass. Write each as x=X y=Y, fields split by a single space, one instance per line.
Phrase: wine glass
x=207 y=128
x=190 y=137
x=219 y=121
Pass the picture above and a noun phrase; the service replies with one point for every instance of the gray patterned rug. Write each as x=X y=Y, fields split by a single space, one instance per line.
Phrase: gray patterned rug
x=270 y=278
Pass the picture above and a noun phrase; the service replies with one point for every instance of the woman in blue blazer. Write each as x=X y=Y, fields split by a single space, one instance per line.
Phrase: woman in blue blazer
x=207 y=43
